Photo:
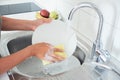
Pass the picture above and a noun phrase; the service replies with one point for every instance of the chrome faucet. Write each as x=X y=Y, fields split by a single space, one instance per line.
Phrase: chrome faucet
x=98 y=53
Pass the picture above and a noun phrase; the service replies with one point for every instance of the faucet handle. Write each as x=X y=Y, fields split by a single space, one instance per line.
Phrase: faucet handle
x=104 y=55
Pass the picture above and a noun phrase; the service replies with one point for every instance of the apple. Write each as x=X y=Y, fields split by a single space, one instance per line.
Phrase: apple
x=38 y=16
x=44 y=13
x=53 y=15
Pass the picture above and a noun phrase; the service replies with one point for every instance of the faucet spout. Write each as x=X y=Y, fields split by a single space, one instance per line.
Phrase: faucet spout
x=97 y=45
x=93 y=6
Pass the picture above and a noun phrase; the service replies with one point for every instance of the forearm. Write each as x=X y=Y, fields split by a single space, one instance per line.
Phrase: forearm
x=16 y=24
x=6 y=63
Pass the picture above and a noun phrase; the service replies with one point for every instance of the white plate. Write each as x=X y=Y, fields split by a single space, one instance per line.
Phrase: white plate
x=56 y=33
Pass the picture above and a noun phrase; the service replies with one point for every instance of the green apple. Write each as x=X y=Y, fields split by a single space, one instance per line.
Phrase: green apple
x=53 y=15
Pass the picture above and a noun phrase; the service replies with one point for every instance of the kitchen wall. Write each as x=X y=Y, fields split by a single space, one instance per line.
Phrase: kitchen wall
x=85 y=21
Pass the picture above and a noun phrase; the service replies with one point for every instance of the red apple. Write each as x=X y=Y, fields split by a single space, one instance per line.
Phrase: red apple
x=44 y=13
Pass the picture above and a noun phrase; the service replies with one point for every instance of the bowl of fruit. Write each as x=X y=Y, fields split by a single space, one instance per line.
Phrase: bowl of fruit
x=48 y=14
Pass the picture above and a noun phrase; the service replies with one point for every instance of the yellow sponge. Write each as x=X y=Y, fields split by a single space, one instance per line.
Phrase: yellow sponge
x=62 y=54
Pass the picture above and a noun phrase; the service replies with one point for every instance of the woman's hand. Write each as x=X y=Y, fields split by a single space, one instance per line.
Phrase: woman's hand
x=38 y=22
x=45 y=51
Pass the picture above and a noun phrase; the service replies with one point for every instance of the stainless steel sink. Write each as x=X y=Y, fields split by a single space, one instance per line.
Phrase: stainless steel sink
x=24 y=39
x=13 y=43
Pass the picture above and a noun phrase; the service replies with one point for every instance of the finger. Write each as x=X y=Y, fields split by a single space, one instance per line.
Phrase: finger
x=58 y=50
x=47 y=20
x=51 y=59
x=49 y=45
x=57 y=57
x=54 y=60
x=46 y=44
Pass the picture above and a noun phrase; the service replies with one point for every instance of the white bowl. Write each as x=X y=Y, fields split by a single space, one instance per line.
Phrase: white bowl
x=56 y=33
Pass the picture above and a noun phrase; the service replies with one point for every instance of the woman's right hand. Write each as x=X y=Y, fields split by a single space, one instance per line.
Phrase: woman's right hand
x=45 y=51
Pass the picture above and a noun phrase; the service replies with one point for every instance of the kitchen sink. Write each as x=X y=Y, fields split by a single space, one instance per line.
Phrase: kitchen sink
x=16 y=41
x=19 y=43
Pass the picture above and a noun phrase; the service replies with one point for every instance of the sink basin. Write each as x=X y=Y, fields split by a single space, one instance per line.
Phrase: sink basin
x=13 y=43
x=19 y=43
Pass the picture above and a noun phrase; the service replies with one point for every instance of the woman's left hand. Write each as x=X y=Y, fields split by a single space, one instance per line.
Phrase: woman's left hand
x=36 y=23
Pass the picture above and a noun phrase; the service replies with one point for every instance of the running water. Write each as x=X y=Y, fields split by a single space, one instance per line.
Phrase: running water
x=70 y=36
